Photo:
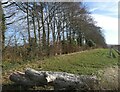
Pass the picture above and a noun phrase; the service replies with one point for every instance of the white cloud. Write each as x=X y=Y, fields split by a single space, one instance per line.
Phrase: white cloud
x=93 y=9
x=106 y=8
x=109 y=25
x=106 y=22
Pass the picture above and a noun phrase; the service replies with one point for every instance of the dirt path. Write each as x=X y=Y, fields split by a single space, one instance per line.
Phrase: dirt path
x=109 y=78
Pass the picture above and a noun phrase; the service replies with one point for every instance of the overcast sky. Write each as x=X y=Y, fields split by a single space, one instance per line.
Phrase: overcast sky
x=106 y=15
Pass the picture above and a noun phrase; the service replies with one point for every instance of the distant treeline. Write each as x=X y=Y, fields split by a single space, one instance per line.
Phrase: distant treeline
x=36 y=29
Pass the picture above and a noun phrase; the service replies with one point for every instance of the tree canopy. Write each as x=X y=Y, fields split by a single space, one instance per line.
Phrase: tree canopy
x=49 y=28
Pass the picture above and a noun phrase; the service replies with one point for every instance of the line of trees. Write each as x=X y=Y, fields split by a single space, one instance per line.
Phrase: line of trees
x=48 y=28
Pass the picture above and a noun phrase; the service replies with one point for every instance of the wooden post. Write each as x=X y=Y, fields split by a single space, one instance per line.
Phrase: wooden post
x=110 y=52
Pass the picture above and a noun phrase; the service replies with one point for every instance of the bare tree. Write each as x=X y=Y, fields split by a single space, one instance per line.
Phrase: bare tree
x=2 y=25
x=55 y=27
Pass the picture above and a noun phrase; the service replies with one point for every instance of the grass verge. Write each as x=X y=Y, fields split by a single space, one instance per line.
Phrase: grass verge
x=86 y=63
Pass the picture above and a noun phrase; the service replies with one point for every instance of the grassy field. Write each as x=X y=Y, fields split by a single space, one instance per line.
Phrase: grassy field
x=86 y=62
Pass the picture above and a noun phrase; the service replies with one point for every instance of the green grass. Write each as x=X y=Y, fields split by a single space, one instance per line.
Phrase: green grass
x=88 y=62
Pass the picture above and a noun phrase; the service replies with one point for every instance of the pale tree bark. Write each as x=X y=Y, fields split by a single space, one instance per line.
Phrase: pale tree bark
x=39 y=37
x=59 y=80
x=53 y=34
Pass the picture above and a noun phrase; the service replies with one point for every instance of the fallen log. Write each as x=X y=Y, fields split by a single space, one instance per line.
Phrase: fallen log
x=20 y=78
x=59 y=80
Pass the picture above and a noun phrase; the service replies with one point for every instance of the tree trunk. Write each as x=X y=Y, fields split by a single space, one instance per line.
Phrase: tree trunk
x=2 y=27
x=33 y=18
x=48 y=37
x=39 y=32
x=39 y=37
x=70 y=35
x=59 y=80
x=1 y=43
x=44 y=34
x=53 y=35
x=63 y=43
x=28 y=24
